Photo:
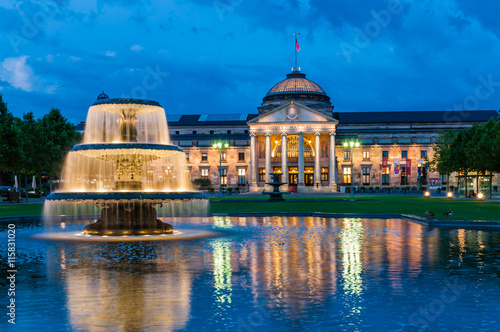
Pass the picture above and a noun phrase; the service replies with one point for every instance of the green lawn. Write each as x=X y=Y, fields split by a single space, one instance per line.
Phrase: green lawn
x=463 y=209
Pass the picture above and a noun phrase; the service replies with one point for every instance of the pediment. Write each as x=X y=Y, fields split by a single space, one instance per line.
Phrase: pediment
x=292 y=112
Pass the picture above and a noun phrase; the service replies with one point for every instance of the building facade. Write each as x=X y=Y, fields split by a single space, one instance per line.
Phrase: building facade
x=297 y=134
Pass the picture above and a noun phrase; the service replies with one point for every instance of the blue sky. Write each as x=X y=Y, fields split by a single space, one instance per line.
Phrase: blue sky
x=222 y=56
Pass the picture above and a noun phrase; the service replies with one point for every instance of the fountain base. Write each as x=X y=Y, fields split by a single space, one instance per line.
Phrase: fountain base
x=128 y=218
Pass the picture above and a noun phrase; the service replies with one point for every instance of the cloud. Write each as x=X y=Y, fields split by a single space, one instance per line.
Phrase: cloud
x=111 y=54
x=137 y=48
x=74 y=58
x=17 y=73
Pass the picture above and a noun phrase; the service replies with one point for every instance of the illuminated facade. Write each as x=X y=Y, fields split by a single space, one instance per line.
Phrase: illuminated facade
x=297 y=114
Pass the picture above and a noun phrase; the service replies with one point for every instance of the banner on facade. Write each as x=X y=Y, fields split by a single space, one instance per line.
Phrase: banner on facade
x=408 y=167
x=397 y=167
x=384 y=164
x=434 y=183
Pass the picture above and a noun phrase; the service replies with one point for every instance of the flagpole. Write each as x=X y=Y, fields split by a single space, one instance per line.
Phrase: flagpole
x=295 y=46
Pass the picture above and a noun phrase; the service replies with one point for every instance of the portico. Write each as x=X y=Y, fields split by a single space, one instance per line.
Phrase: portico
x=296 y=141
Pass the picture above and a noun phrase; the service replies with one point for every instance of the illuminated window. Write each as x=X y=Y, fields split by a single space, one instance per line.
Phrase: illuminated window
x=241 y=176
x=223 y=176
x=366 y=176
x=204 y=156
x=262 y=174
x=404 y=177
x=324 y=173
x=204 y=173
x=366 y=155
x=223 y=156
x=385 y=175
x=347 y=155
x=347 y=174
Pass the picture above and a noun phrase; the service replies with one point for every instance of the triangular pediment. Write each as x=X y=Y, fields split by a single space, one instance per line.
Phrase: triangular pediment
x=292 y=112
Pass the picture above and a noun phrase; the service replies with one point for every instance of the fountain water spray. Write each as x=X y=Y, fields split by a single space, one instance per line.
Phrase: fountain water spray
x=125 y=170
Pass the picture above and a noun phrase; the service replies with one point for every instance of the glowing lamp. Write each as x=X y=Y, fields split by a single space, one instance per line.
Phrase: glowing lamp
x=427 y=193
x=449 y=194
x=480 y=196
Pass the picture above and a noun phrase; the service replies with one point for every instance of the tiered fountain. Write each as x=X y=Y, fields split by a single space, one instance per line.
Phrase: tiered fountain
x=125 y=170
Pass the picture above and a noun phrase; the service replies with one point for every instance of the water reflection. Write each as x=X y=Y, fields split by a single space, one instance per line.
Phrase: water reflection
x=292 y=271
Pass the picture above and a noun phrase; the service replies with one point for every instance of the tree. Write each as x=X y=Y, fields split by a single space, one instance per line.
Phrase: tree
x=442 y=161
x=10 y=145
x=58 y=136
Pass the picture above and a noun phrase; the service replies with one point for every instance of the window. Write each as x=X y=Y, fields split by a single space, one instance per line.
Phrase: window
x=366 y=176
x=366 y=155
x=223 y=156
x=241 y=156
x=211 y=132
x=324 y=173
x=347 y=174
x=423 y=154
x=385 y=176
x=194 y=132
x=177 y=132
x=204 y=173
x=246 y=131
x=347 y=155
x=204 y=156
x=385 y=154
x=223 y=176
x=229 y=131
x=262 y=174
x=443 y=178
x=187 y=156
x=241 y=176
x=404 y=154
x=404 y=177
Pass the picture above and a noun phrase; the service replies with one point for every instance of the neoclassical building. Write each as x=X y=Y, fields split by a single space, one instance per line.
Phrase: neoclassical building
x=297 y=134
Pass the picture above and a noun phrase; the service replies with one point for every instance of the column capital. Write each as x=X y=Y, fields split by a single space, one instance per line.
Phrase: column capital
x=268 y=133
x=333 y=131
x=301 y=133
x=317 y=133
x=284 y=133
x=253 y=133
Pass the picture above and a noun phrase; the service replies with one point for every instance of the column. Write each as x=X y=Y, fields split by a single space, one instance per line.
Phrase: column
x=333 y=164
x=253 y=162
x=317 y=167
x=301 y=161
x=284 y=160
x=268 y=156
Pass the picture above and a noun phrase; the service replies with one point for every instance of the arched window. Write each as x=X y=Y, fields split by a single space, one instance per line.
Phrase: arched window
x=292 y=143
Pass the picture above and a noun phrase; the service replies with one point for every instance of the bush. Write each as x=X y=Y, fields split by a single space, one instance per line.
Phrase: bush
x=362 y=188
x=210 y=189
x=377 y=188
x=202 y=182
x=421 y=188
x=370 y=188
x=229 y=190
x=453 y=187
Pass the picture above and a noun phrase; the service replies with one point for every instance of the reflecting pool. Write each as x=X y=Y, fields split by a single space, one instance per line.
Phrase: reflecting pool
x=264 y=274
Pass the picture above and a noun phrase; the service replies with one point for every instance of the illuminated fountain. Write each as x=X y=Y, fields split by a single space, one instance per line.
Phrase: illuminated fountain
x=126 y=170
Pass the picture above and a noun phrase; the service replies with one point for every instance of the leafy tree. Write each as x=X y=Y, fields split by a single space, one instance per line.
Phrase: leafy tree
x=10 y=145
x=58 y=136
x=442 y=161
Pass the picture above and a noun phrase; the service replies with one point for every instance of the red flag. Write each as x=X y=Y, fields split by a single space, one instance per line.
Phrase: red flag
x=297 y=47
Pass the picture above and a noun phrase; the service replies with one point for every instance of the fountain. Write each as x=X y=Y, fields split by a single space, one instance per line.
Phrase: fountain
x=276 y=195
x=125 y=170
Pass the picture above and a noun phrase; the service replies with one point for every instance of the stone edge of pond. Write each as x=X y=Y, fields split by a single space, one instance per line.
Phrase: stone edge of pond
x=433 y=223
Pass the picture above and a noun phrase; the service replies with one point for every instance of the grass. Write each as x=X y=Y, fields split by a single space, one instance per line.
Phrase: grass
x=463 y=209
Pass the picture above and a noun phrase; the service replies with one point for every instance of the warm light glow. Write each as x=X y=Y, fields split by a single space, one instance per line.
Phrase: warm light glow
x=480 y=196
x=357 y=144
x=449 y=194
x=345 y=144
x=427 y=193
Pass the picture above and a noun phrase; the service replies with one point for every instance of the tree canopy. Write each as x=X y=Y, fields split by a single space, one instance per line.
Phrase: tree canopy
x=476 y=149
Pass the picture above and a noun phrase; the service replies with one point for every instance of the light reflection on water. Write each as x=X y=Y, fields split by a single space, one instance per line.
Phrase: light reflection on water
x=271 y=273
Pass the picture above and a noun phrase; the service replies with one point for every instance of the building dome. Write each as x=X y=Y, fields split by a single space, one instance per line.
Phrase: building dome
x=296 y=86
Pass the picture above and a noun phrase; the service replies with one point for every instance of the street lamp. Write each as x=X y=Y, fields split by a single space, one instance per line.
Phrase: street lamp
x=220 y=145
x=352 y=145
